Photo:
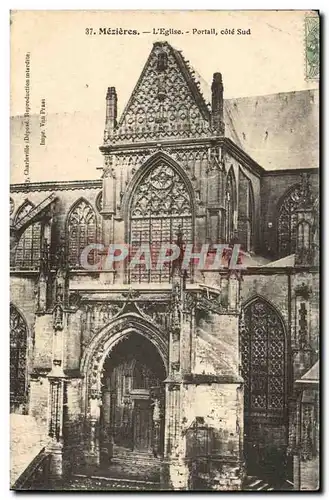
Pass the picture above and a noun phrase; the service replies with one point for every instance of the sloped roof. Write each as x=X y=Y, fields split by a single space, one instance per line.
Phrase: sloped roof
x=278 y=131
x=311 y=376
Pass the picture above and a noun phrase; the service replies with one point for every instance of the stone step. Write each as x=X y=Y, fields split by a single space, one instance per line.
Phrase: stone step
x=253 y=483
x=99 y=483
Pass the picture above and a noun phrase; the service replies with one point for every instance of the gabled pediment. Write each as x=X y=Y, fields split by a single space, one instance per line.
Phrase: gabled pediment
x=166 y=101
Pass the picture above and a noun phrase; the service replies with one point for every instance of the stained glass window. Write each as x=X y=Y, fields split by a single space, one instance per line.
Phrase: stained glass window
x=230 y=196
x=262 y=347
x=160 y=208
x=81 y=232
x=28 y=249
x=288 y=222
x=18 y=352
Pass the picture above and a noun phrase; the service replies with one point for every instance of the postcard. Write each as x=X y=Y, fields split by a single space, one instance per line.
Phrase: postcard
x=164 y=250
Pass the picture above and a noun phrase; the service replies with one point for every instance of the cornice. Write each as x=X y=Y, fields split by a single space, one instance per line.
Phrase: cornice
x=56 y=186
x=243 y=158
x=272 y=270
x=287 y=171
x=154 y=143
x=211 y=140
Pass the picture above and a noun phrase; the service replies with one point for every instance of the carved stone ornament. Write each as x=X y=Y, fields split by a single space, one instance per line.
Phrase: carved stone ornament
x=209 y=301
x=303 y=291
x=58 y=317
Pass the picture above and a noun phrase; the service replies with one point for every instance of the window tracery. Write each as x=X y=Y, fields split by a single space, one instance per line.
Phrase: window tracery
x=230 y=194
x=81 y=232
x=294 y=232
x=262 y=346
x=18 y=352
x=28 y=251
x=160 y=208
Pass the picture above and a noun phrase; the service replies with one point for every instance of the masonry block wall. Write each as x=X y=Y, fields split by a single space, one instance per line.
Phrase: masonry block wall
x=274 y=186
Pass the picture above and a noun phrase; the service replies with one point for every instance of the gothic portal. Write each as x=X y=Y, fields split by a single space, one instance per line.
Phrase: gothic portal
x=132 y=411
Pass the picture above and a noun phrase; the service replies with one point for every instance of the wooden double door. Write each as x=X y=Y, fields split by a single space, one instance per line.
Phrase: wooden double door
x=133 y=379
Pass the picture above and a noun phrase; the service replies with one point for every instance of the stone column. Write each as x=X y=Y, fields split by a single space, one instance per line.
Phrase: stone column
x=55 y=428
x=92 y=456
x=106 y=437
x=175 y=470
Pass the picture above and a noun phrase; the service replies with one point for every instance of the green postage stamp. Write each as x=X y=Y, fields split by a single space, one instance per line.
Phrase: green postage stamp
x=312 y=47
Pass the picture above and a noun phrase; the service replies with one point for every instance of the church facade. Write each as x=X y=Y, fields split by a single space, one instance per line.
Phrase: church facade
x=206 y=378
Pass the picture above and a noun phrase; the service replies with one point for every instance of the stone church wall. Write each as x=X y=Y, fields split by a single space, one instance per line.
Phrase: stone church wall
x=274 y=185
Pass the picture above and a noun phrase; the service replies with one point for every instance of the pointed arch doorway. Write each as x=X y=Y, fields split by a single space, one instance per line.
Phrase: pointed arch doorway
x=132 y=409
x=264 y=369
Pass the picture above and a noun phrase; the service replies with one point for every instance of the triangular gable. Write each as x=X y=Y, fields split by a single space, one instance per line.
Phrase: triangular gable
x=33 y=212
x=166 y=101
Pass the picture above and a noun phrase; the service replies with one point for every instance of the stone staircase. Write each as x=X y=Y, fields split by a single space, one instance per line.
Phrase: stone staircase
x=253 y=483
x=127 y=471
x=82 y=482
x=133 y=465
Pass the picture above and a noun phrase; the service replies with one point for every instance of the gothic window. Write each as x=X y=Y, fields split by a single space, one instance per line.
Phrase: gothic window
x=99 y=201
x=262 y=347
x=304 y=235
x=230 y=196
x=291 y=232
x=250 y=218
x=28 y=251
x=18 y=352
x=81 y=231
x=160 y=208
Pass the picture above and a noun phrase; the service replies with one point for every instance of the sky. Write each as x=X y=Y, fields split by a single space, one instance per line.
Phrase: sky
x=72 y=70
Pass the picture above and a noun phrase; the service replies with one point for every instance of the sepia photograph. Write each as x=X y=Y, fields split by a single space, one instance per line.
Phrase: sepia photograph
x=164 y=250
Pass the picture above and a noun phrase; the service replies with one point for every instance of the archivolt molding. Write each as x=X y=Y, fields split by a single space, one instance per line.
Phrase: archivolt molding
x=107 y=338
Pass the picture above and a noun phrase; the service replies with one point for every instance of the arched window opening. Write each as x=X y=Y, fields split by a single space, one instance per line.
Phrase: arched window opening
x=304 y=243
x=81 y=232
x=250 y=219
x=262 y=345
x=28 y=251
x=295 y=205
x=230 y=196
x=304 y=235
x=263 y=368
x=160 y=208
x=18 y=355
